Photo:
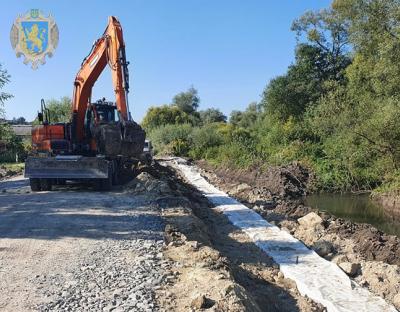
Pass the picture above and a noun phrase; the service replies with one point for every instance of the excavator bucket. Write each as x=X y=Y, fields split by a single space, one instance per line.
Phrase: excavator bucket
x=67 y=167
x=112 y=142
x=133 y=139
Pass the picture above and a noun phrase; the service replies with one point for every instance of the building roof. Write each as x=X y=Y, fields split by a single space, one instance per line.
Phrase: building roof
x=22 y=130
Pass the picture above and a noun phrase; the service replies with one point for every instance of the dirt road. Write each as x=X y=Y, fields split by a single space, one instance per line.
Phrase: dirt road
x=75 y=250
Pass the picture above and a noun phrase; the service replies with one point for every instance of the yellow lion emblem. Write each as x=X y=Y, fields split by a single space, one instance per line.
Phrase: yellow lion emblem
x=35 y=38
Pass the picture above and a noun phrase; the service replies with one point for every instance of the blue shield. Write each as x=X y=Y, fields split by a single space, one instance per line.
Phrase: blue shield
x=36 y=36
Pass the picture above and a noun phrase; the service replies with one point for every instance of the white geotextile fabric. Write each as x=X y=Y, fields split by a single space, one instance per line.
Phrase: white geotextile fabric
x=314 y=276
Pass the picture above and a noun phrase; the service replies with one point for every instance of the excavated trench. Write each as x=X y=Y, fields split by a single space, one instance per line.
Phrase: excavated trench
x=236 y=257
x=373 y=254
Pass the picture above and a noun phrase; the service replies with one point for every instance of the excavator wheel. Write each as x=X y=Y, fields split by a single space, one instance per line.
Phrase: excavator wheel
x=105 y=184
x=116 y=178
x=148 y=159
x=60 y=182
x=46 y=184
x=35 y=185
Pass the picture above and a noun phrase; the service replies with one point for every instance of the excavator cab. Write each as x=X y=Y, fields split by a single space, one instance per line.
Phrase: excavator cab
x=100 y=113
x=104 y=112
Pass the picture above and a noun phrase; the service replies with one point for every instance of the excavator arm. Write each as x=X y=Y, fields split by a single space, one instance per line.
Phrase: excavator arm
x=109 y=49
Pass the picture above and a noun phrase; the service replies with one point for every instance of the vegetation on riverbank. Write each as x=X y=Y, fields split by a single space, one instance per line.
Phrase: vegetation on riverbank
x=335 y=109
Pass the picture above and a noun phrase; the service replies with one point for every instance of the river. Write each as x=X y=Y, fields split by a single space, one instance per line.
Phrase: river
x=356 y=208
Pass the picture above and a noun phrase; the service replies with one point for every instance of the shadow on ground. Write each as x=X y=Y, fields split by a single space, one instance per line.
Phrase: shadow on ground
x=74 y=213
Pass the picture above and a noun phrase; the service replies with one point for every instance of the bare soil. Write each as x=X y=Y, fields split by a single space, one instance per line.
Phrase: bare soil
x=390 y=201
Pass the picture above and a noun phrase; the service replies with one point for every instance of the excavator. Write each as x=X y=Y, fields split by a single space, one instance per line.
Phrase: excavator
x=101 y=141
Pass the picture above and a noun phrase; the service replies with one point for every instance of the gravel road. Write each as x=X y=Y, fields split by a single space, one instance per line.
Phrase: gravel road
x=75 y=250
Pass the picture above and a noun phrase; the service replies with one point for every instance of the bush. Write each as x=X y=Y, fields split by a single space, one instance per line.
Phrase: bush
x=16 y=149
x=235 y=154
x=204 y=139
x=172 y=139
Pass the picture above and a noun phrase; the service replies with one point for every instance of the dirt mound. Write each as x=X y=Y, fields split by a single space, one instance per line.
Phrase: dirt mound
x=284 y=181
x=154 y=178
x=145 y=182
x=375 y=245
x=383 y=278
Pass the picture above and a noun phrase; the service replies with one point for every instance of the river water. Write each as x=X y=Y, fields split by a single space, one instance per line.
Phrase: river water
x=356 y=208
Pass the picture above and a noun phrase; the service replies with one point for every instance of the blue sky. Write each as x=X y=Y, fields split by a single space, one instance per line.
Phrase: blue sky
x=227 y=49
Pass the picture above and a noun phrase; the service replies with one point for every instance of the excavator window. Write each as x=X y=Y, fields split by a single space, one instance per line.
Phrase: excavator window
x=106 y=113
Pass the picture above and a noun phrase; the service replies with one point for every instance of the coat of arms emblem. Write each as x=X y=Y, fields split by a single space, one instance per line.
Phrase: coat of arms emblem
x=34 y=36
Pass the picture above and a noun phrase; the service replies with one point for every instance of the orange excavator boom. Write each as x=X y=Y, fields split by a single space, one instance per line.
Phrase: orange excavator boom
x=109 y=49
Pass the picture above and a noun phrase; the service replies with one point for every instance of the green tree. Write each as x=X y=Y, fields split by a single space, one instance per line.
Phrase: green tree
x=187 y=101
x=18 y=121
x=4 y=127
x=8 y=139
x=157 y=116
x=248 y=117
x=211 y=115
x=304 y=83
x=374 y=32
x=321 y=56
x=364 y=121
x=328 y=31
x=4 y=79
x=60 y=110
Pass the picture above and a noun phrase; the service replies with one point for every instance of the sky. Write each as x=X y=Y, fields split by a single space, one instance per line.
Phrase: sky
x=227 y=49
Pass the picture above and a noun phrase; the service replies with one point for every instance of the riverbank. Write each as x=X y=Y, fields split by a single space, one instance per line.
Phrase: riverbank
x=369 y=256
x=390 y=201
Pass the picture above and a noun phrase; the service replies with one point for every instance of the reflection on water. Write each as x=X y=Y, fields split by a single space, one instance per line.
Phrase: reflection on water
x=357 y=209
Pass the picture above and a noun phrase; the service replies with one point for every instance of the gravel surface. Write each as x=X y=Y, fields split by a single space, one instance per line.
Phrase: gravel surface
x=74 y=250
x=109 y=282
